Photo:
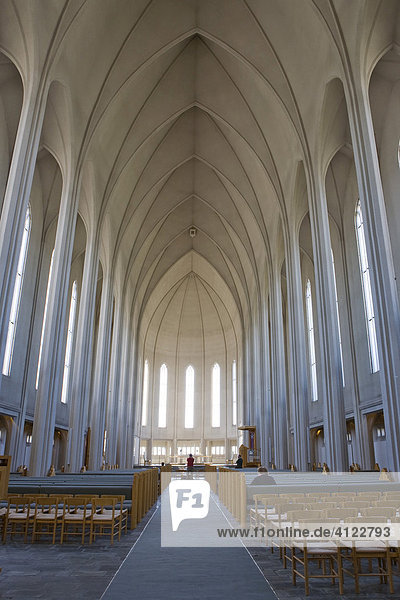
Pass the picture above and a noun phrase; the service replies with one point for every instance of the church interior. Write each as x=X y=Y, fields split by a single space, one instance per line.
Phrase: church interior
x=199 y=250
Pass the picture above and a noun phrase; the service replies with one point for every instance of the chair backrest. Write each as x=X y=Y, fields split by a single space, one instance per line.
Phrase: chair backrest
x=390 y=503
x=322 y=505
x=72 y=504
x=120 y=499
x=99 y=504
x=33 y=495
x=292 y=507
x=355 y=504
x=306 y=516
x=341 y=513
x=87 y=497
x=44 y=505
x=18 y=504
x=365 y=519
x=379 y=511
x=371 y=495
x=318 y=495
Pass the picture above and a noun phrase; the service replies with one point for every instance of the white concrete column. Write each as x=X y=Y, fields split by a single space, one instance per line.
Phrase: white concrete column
x=124 y=404
x=297 y=353
x=278 y=375
x=131 y=429
x=328 y=332
x=81 y=374
x=266 y=417
x=50 y=377
x=16 y=199
x=116 y=362
x=100 y=381
x=382 y=273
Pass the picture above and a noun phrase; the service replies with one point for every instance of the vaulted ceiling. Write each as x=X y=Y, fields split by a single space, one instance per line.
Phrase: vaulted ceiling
x=187 y=113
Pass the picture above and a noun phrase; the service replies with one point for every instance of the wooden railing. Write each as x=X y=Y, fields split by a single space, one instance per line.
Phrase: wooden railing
x=5 y=464
x=211 y=476
x=232 y=493
x=145 y=489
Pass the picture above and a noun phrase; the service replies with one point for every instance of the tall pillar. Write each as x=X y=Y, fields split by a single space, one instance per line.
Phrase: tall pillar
x=16 y=200
x=328 y=332
x=100 y=382
x=297 y=356
x=50 y=379
x=382 y=272
x=278 y=374
x=123 y=402
x=266 y=417
x=81 y=374
x=116 y=361
x=131 y=428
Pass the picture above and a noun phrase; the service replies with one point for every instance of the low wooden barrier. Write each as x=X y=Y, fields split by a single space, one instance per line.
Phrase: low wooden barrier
x=211 y=476
x=165 y=478
x=232 y=493
x=5 y=464
x=144 y=494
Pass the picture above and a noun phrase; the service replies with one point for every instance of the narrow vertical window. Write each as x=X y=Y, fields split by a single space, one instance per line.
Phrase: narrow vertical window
x=216 y=396
x=367 y=291
x=19 y=279
x=311 y=342
x=162 y=400
x=44 y=319
x=338 y=318
x=189 y=398
x=145 y=397
x=234 y=393
x=69 y=345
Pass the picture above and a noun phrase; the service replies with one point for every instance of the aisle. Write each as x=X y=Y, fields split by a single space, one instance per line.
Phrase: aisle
x=150 y=572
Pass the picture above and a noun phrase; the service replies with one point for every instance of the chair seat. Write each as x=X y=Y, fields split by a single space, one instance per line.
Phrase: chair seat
x=47 y=516
x=330 y=548
x=76 y=516
x=102 y=517
x=17 y=515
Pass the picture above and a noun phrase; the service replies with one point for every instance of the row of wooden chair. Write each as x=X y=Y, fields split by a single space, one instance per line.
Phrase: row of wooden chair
x=72 y=516
x=335 y=558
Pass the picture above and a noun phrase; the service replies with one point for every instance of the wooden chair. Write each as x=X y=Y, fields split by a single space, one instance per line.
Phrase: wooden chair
x=103 y=519
x=46 y=517
x=76 y=516
x=380 y=553
x=18 y=517
x=306 y=552
x=261 y=504
x=121 y=512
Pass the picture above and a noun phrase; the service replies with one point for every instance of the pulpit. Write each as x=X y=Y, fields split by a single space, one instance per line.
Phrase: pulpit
x=250 y=453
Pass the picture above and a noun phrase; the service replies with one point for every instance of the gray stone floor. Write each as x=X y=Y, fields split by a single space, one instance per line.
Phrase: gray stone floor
x=69 y=572
x=42 y=571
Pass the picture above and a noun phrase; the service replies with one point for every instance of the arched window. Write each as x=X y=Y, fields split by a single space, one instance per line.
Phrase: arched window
x=338 y=317
x=234 y=393
x=70 y=341
x=145 y=397
x=162 y=400
x=44 y=319
x=311 y=342
x=19 y=279
x=216 y=396
x=189 y=398
x=367 y=291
